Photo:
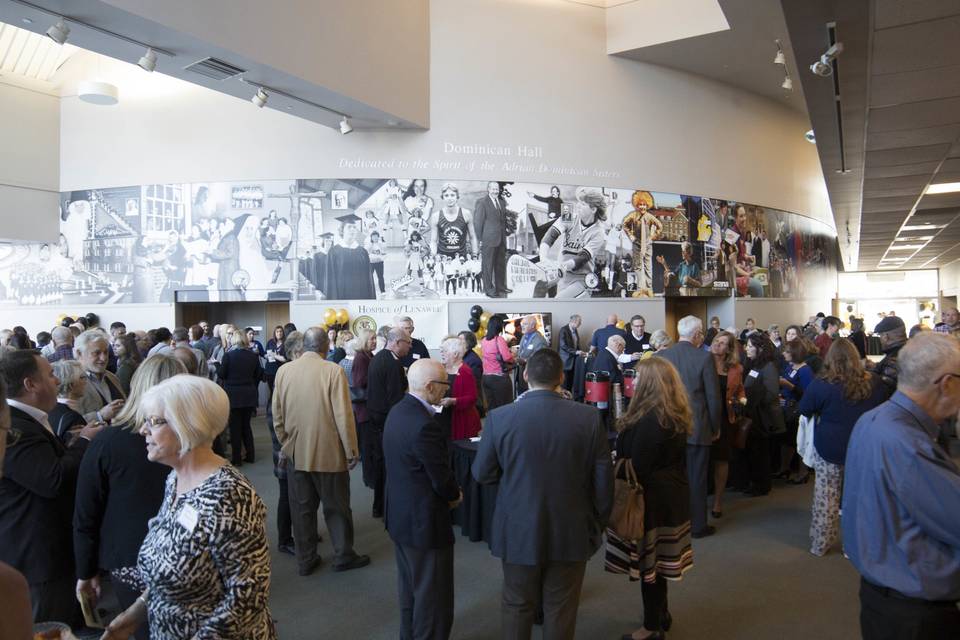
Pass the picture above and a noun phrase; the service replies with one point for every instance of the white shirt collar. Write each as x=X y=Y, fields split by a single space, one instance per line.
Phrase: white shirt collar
x=37 y=414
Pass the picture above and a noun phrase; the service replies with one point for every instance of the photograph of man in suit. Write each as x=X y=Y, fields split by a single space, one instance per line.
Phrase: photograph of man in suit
x=699 y=375
x=562 y=466
x=570 y=349
x=490 y=224
x=421 y=491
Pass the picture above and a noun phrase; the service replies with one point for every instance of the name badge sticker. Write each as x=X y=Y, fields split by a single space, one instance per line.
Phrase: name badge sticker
x=754 y=373
x=416 y=356
x=188 y=518
x=646 y=347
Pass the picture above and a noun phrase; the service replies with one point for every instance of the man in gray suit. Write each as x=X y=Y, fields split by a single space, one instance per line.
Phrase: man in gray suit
x=490 y=225
x=555 y=497
x=699 y=376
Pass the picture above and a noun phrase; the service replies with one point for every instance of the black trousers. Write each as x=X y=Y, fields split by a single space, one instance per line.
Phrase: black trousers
x=555 y=585
x=654 y=603
x=493 y=266
x=498 y=390
x=241 y=434
x=284 y=521
x=698 y=470
x=888 y=615
x=425 y=587
x=758 y=461
x=568 y=379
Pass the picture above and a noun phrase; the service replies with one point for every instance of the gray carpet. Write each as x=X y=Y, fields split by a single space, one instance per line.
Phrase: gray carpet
x=753 y=579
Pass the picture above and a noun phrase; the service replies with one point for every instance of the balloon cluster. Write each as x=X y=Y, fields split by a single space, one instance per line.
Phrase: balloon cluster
x=338 y=319
x=478 y=321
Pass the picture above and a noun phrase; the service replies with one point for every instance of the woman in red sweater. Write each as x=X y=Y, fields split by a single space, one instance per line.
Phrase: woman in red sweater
x=462 y=398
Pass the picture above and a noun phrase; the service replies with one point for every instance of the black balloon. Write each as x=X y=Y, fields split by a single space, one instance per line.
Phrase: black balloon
x=473 y=324
x=475 y=312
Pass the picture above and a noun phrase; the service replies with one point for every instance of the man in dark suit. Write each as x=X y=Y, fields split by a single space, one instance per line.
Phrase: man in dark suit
x=608 y=359
x=421 y=490
x=555 y=497
x=386 y=384
x=418 y=350
x=570 y=349
x=37 y=488
x=699 y=375
x=490 y=224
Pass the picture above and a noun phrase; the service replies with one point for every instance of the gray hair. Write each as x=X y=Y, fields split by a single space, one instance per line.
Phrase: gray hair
x=772 y=328
x=293 y=345
x=575 y=317
x=180 y=334
x=615 y=339
x=686 y=245
x=660 y=339
x=925 y=358
x=196 y=409
x=316 y=339
x=69 y=372
x=61 y=335
x=688 y=326
x=90 y=337
x=396 y=334
x=454 y=345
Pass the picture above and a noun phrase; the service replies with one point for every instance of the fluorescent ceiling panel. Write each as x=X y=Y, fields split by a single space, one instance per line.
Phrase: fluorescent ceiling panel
x=944 y=187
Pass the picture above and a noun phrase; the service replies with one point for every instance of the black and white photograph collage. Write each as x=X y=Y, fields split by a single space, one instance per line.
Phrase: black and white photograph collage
x=395 y=239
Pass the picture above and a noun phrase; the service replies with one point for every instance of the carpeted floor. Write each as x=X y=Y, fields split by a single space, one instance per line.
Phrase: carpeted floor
x=753 y=580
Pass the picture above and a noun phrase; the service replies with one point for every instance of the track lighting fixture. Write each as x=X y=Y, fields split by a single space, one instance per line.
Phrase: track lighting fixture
x=780 y=58
x=824 y=66
x=148 y=61
x=260 y=99
x=345 y=127
x=787 y=83
x=59 y=32
x=810 y=137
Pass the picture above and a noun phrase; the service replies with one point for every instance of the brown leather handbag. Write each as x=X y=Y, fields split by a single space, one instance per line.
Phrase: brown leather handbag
x=741 y=431
x=626 y=520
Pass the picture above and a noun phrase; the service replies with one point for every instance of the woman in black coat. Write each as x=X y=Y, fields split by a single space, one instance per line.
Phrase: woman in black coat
x=118 y=491
x=653 y=437
x=241 y=373
x=761 y=382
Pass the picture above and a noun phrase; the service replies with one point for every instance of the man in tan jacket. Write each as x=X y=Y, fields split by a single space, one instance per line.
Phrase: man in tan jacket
x=313 y=419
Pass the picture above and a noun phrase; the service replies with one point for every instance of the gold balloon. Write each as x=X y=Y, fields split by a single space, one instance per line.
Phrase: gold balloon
x=484 y=319
x=343 y=316
x=621 y=324
x=482 y=331
x=330 y=316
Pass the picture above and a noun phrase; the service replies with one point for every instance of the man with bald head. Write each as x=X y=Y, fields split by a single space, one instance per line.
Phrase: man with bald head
x=386 y=384
x=901 y=500
x=313 y=420
x=600 y=337
x=421 y=490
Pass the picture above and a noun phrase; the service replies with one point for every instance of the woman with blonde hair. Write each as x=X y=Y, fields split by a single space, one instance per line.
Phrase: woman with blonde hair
x=726 y=359
x=241 y=373
x=65 y=419
x=843 y=392
x=659 y=341
x=653 y=436
x=118 y=491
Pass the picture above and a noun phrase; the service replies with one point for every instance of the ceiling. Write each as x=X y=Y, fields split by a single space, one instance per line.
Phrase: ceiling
x=898 y=128
x=30 y=54
x=741 y=56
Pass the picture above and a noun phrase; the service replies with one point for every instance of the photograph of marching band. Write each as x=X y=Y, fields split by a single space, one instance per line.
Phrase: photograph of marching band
x=412 y=238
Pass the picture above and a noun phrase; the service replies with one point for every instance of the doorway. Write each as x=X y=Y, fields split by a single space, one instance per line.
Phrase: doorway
x=262 y=316
x=677 y=308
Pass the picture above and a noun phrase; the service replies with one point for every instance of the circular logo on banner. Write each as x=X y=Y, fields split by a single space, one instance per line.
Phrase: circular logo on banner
x=363 y=322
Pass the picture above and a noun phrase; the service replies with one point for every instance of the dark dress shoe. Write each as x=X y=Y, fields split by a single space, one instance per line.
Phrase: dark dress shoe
x=709 y=530
x=287 y=548
x=666 y=621
x=353 y=563
x=756 y=493
x=716 y=514
x=377 y=513
x=310 y=567
x=802 y=480
x=249 y=459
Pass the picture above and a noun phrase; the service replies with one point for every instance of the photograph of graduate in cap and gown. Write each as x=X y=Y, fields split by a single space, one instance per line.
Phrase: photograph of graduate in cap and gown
x=348 y=275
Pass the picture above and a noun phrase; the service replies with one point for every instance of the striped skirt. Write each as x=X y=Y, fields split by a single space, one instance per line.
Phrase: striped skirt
x=665 y=552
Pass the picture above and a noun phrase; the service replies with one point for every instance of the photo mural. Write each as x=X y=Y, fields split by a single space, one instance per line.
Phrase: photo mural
x=396 y=239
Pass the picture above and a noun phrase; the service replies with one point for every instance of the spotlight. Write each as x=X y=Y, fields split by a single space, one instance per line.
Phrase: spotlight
x=59 y=32
x=260 y=99
x=824 y=66
x=345 y=127
x=148 y=62
x=780 y=58
x=787 y=84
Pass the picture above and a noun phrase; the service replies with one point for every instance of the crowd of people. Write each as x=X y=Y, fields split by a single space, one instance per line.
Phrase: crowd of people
x=114 y=467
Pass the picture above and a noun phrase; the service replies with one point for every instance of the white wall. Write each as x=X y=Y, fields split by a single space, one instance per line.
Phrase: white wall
x=29 y=164
x=781 y=312
x=543 y=80
x=950 y=279
x=135 y=316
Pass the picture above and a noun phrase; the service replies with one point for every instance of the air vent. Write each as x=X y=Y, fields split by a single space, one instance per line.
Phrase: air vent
x=215 y=69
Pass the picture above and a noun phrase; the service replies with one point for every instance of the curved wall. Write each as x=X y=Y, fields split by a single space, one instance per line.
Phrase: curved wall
x=519 y=89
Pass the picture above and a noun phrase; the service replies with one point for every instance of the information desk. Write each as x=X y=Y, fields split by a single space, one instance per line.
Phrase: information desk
x=475 y=513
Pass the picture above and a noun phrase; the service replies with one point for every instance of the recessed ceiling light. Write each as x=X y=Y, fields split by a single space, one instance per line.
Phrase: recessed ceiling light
x=922 y=227
x=944 y=187
x=905 y=247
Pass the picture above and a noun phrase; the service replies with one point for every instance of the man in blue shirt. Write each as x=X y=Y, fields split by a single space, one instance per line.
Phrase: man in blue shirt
x=901 y=500
x=687 y=273
x=600 y=337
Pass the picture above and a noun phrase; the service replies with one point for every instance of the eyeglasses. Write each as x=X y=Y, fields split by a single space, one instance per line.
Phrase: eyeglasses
x=444 y=382
x=946 y=375
x=407 y=340
x=154 y=423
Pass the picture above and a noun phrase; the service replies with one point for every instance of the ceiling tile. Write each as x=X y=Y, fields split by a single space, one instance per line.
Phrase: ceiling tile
x=892 y=13
x=917 y=46
x=918 y=168
x=939 y=201
x=915 y=115
x=907 y=155
x=948 y=134
x=952 y=165
x=914 y=86
x=873 y=205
